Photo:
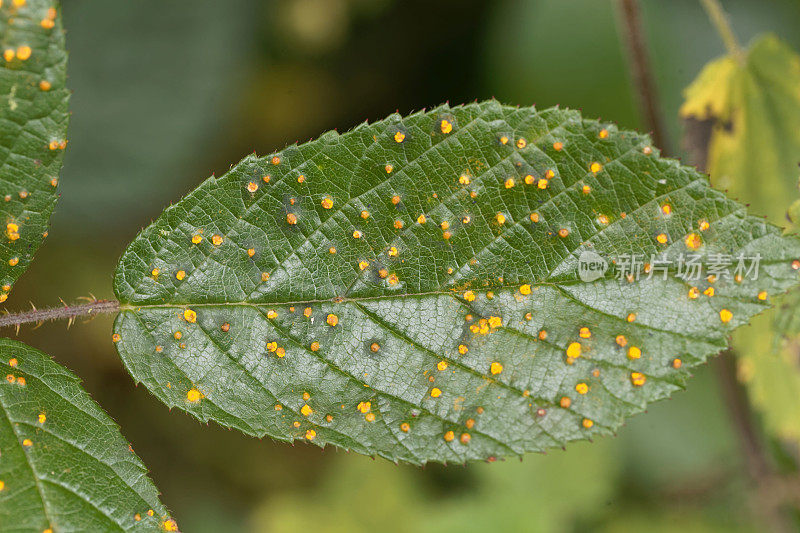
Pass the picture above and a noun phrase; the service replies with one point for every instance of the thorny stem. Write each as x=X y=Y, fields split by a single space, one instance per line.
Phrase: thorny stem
x=642 y=73
x=69 y=312
x=721 y=23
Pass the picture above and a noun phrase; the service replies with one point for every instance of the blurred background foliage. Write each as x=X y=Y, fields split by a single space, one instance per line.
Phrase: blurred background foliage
x=166 y=93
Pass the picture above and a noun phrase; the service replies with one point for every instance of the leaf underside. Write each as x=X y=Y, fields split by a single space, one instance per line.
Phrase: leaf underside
x=229 y=297
x=64 y=464
x=33 y=129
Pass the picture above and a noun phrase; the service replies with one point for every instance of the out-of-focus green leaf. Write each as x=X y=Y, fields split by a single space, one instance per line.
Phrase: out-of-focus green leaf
x=410 y=289
x=64 y=465
x=754 y=105
x=33 y=128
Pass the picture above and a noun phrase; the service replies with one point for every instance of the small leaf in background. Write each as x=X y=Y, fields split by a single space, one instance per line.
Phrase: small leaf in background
x=751 y=106
x=33 y=129
x=411 y=289
x=64 y=464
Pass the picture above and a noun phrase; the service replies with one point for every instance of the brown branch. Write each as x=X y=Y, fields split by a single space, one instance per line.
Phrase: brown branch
x=69 y=312
x=641 y=72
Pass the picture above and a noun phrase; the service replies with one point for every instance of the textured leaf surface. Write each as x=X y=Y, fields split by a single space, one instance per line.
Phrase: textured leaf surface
x=33 y=128
x=409 y=289
x=64 y=465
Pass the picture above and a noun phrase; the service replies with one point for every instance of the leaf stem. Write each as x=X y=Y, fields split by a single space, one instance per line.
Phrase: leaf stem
x=722 y=24
x=641 y=71
x=69 y=312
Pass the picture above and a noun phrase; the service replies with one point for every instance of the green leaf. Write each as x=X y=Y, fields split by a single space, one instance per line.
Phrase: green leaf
x=753 y=107
x=286 y=298
x=64 y=465
x=33 y=128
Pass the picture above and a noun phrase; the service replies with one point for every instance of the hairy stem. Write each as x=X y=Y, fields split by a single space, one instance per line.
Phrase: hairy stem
x=641 y=71
x=69 y=312
x=723 y=26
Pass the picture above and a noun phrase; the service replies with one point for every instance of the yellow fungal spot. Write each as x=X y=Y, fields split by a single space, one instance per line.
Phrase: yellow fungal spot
x=24 y=52
x=307 y=312
x=603 y=134
x=587 y=423
x=190 y=316
x=155 y=272
x=446 y=126
x=251 y=252
x=216 y=240
x=469 y=296
x=510 y=183
x=404 y=427
x=177 y=335
x=542 y=184
x=585 y=333
x=116 y=337
x=647 y=150
x=291 y=218
x=558 y=146
x=542 y=335
x=362 y=265
x=47 y=24
x=374 y=347
x=398 y=224
x=197 y=239
x=13 y=362
x=264 y=276
x=194 y=396
x=634 y=352
x=365 y=214
x=574 y=350
x=3 y=297
x=709 y=292
x=501 y=218
x=306 y=410
x=271 y=314
x=725 y=315
x=332 y=319
x=595 y=167
x=565 y=402
x=503 y=140
x=225 y=327
x=762 y=295
x=252 y=186
x=364 y=407
x=525 y=289
x=441 y=366
x=693 y=241
x=399 y=137
x=631 y=317
x=436 y=392
x=388 y=169
x=495 y=321
x=301 y=178
x=12 y=230
x=314 y=346
x=13 y=261
x=327 y=202
x=21 y=381
x=586 y=189
x=180 y=274
x=464 y=179
x=638 y=379
x=703 y=224
x=9 y=54
x=393 y=252
x=275 y=160
x=534 y=217
x=521 y=142
x=676 y=363
x=54 y=182
x=662 y=238
x=563 y=233
x=495 y=368
x=694 y=292
x=42 y=418
x=266 y=178
x=27 y=443
x=666 y=209
x=581 y=388
x=357 y=234
x=449 y=436
x=621 y=340
x=169 y=525
x=395 y=199
x=462 y=349
x=311 y=434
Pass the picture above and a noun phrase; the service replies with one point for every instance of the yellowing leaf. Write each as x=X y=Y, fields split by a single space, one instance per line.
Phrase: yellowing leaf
x=753 y=104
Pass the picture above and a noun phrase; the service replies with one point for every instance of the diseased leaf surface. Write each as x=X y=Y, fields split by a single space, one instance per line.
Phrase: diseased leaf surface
x=410 y=288
x=33 y=129
x=64 y=465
